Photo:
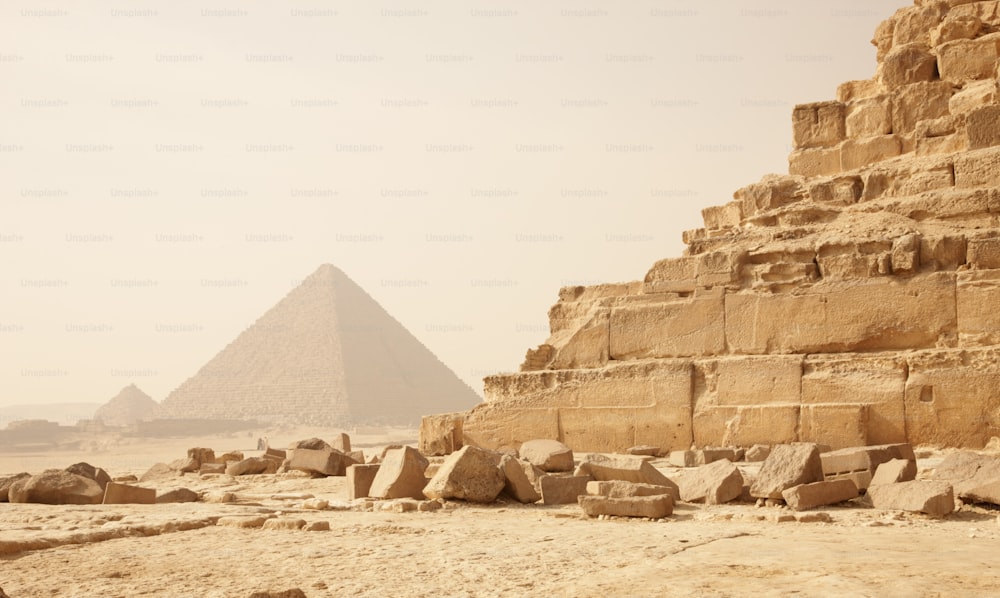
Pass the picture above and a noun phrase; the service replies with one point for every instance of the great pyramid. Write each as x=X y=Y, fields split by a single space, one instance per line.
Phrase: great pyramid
x=127 y=407
x=855 y=300
x=326 y=354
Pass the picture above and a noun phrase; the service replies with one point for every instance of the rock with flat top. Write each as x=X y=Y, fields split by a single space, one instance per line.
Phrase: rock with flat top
x=652 y=507
x=819 y=494
x=716 y=483
x=400 y=475
x=932 y=498
x=471 y=474
x=54 y=487
x=516 y=481
x=786 y=466
x=620 y=489
x=547 y=455
x=894 y=471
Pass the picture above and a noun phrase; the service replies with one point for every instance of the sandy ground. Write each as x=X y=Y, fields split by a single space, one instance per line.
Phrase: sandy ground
x=504 y=549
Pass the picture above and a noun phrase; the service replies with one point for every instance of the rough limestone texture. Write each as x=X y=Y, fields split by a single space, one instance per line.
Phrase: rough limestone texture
x=55 y=487
x=359 y=479
x=653 y=507
x=620 y=489
x=122 y=494
x=626 y=468
x=325 y=462
x=788 y=465
x=714 y=484
x=895 y=471
x=819 y=494
x=400 y=475
x=932 y=498
x=325 y=355
x=849 y=301
x=471 y=474
x=562 y=489
x=547 y=455
x=516 y=481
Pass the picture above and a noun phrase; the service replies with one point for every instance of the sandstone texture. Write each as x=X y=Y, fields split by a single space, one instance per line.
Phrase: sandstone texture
x=653 y=507
x=788 y=465
x=399 y=475
x=847 y=302
x=56 y=487
x=716 y=483
x=819 y=494
x=547 y=455
x=932 y=498
x=471 y=474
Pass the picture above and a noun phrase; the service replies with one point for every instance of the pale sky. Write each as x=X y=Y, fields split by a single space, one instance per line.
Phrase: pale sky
x=170 y=170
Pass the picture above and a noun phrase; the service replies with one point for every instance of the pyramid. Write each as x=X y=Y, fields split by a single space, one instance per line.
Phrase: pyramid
x=326 y=354
x=126 y=408
x=851 y=301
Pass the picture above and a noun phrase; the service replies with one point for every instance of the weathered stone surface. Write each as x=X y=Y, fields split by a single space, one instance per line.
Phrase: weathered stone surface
x=547 y=455
x=818 y=125
x=7 y=481
x=472 y=474
x=516 y=481
x=327 y=462
x=89 y=471
x=173 y=495
x=652 y=507
x=757 y=453
x=290 y=593
x=121 y=494
x=910 y=63
x=359 y=479
x=713 y=484
x=250 y=466
x=54 y=487
x=620 y=489
x=242 y=521
x=281 y=523
x=624 y=467
x=894 y=471
x=788 y=465
x=679 y=327
x=966 y=470
x=400 y=475
x=985 y=493
x=561 y=489
x=932 y=498
x=440 y=434
x=819 y=494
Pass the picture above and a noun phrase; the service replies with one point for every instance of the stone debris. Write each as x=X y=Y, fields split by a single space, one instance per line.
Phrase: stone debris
x=320 y=462
x=788 y=465
x=400 y=475
x=174 y=495
x=89 y=471
x=819 y=494
x=440 y=434
x=517 y=485
x=625 y=468
x=54 y=487
x=6 y=482
x=547 y=455
x=280 y=523
x=471 y=474
x=342 y=442
x=651 y=507
x=966 y=471
x=757 y=453
x=243 y=521
x=620 y=489
x=249 y=466
x=291 y=593
x=562 y=489
x=716 y=483
x=860 y=463
x=646 y=450
x=932 y=498
x=122 y=494
x=987 y=493
x=359 y=480
x=894 y=471
x=317 y=526
x=313 y=444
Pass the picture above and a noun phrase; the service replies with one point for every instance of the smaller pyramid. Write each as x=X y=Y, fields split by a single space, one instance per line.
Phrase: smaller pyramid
x=126 y=408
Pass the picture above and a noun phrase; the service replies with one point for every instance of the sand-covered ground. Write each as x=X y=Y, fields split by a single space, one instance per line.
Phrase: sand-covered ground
x=505 y=549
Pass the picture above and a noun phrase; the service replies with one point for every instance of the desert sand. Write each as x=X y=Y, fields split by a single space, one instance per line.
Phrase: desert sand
x=504 y=549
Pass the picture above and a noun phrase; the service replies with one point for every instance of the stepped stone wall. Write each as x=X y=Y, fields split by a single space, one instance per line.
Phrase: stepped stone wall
x=326 y=354
x=851 y=301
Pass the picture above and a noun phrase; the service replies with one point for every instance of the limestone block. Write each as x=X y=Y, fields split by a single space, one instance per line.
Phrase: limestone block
x=895 y=471
x=54 y=487
x=977 y=297
x=249 y=466
x=932 y=498
x=284 y=524
x=516 y=481
x=622 y=489
x=877 y=314
x=651 y=507
x=624 y=467
x=175 y=495
x=319 y=462
x=7 y=481
x=677 y=328
x=359 y=480
x=562 y=490
x=908 y=179
x=757 y=453
x=771 y=192
x=974 y=95
x=869 y=117
x=585 y=345
x=819 y=124
x=499 y=426
x=686 y=458
x=201 y=455
x=547 y=455
x=841 y=191
x=907 y=64
x=982 y=125
x=855 y=153
x=673 y=275
x=966 y=470
x=399 y=475
x=713 y=484
x=946 y=252
x=978 y=168
x=123 y=494
x=882 y=40
x=913 y=24
x=719 y=268
x=956 y=27
x=745 y=426
x=472 y=474
x=243 y=521
x=724 y=216
x=951 y=397
x=788 y=465
x=851 y=91
x=814 y=162
x=860 y=379
x=765 y=380
x=945 y=144
x=646 y=450
x=985 y=493
x=967 y=59
x=440 y=434
x=837 y=426
x=819 y=494
x=217 y=468
x=89 y=471
x=919 y=101
x=342 y=442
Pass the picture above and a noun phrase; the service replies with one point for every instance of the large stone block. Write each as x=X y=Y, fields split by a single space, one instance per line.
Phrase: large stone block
x=982 y=125
x=400 y=475
x=956 y=27
x=860 y=379
x=53 y=487
x=622 y=489
x=974 y=95
x=471 y=474
x=978 y=168
x=441 y=434
x=547 y=455
x=122 y=494
x=627 y=468
x=855 y=153
x=328 y=462
x=836 y=426
x=814 y=162
x=978 y=297
x=818 y=125
x=919 y=101
x=746 y=426
x=951 y=397
x=877 y=314
x=788 y=465
x=585 y=344
x=771 y=192
x=841 y=191
x=969 y=59
x=516 y=482
x=895 y=471
x=677 y=328
x=712 y=484
x=498 y=425
x=724 y=216
x=932 y=498
x=913 y=24
x=359 y=480
x=869 y=117
x=819 y=494
x=757 y=380
x=652 y=507
x=908 y=64
x=562 y=490
x=905 y=179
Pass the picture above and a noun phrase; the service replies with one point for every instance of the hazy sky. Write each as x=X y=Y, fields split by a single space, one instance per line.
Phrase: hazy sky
x=170 y=170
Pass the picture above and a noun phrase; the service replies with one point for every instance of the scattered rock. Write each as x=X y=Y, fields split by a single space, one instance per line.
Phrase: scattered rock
x=317 y=526
x=400 y=475
x=217 y=468
x=342 y=442
x=174 y=495
x=201 y=455
x=243 y=521
x=325 y=462
x=933 y=498
x=987 y=493
x=788 y=465
x=966 y=470
x=562 y=490
x=6 y=482
x=251 y=466
x=313 y=444
x=818 y=494
x=284 y=524
x=124 y=494
x=757 y=453
x=516 y=482
x=651 y=451
x=316 y=504
x=624 y=467
x=894 y=471
x=716 y=483
x=359 y=479
x=620 y=489
x=54 y=487
x=652 y=507
x=89 y=471
x=547 y=455
x=471 y=474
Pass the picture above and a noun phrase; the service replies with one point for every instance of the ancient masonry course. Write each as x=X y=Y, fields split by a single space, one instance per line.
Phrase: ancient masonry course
x=852 y=301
